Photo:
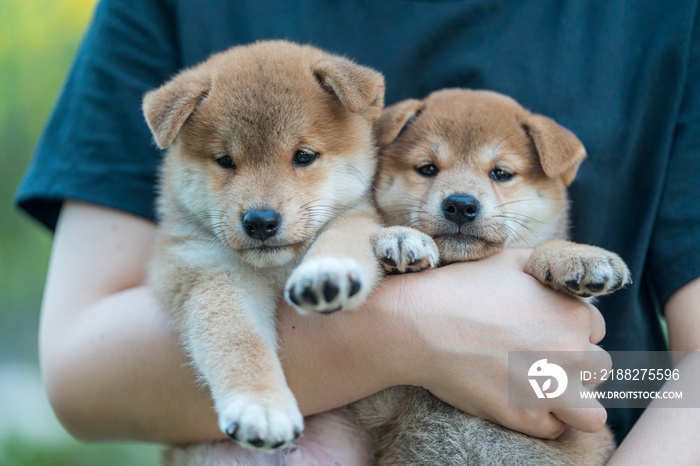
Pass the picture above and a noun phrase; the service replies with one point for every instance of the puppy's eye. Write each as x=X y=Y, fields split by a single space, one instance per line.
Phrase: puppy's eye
x=500 y=175
x=427 y=170
x=226 y=162
x=303 y=158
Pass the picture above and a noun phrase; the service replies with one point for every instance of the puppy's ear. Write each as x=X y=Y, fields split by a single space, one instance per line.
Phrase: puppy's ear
x=167 y=107
x=394 y=119
x=359 y=89
x=560 y=151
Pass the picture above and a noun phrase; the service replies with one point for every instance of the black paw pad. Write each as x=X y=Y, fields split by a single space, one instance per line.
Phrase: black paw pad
x=277 y=444
x=297 y=434
x=330 y=289
x=256 y=442
x=596 y=287
x=575 y=284
x=389 y=261
x=292 y=297
x=331 y=311
x=355 y=285
x=308 y=295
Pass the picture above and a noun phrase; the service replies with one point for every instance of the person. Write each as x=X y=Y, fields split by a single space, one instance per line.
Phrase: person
x=625 y=78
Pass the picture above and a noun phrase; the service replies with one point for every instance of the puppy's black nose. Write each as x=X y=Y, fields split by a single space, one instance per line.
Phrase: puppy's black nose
x=460 y=208
x=261 y=224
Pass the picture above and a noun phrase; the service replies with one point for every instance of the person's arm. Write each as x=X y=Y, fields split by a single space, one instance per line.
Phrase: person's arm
x=671 y=435
x=113 y=367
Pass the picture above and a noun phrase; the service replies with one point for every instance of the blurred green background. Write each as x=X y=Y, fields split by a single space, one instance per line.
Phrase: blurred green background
x=38 y=39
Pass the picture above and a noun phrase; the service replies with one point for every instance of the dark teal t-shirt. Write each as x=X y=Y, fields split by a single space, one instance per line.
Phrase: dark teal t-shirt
x=623 y=75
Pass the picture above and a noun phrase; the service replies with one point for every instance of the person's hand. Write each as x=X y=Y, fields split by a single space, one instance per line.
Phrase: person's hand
x=464 y=318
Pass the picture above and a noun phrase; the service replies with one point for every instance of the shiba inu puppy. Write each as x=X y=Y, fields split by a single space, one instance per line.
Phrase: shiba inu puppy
x=263 y=194
x=472 y=172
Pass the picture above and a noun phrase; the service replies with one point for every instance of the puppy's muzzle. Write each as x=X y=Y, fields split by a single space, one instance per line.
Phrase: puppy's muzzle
x=261 y=224
x=460 y=208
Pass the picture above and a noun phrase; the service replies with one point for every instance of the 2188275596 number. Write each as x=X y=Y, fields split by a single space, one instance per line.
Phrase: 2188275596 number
x=639 y=374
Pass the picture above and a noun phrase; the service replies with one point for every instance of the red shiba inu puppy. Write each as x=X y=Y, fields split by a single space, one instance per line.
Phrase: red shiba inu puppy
x=462 y=175
x=264 y=193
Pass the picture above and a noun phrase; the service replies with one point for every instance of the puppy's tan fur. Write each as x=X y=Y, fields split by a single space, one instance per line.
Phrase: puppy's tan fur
x=466 y=135
x=259 y=105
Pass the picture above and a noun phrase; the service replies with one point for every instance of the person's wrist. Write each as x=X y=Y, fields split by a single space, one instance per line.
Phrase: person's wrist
x=407 y=353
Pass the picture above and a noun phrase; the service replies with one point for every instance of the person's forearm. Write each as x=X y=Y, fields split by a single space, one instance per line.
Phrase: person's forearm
x=118 y=373
x=122 y=364
x=665 y=435
x=672 y=435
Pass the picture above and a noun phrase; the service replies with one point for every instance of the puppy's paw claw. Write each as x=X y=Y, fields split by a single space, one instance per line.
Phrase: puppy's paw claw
x=405 y=250
x=327 y=285
x=261 y=424
x=575 y=282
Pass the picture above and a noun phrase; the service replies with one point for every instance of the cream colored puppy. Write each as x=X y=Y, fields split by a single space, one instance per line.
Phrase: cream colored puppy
x=462 y=175
x=476 y=172
x=263 y=192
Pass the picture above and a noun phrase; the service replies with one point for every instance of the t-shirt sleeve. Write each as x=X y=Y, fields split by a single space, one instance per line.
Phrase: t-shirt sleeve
x=674 y=255
x=96 y=146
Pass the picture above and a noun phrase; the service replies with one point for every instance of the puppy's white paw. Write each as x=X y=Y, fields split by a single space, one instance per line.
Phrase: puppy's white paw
x=261 y=424
x=327 y=285
x=405 y=250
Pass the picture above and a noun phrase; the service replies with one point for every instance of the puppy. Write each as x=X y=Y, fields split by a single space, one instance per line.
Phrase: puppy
x=264 y=192
x=473 y=172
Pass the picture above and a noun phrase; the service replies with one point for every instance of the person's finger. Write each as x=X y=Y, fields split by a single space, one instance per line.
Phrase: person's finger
x=550 y=428
x=597 y=325
x=536 y=424
x=584 y=419
x=510 y=257
x=598 y=363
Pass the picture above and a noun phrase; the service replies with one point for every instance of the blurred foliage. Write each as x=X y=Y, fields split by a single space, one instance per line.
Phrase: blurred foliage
x=16 y=451
x=37 y=41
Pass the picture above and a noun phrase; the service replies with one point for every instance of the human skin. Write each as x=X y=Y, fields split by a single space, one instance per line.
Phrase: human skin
x=113 y=367
x=671 y=435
